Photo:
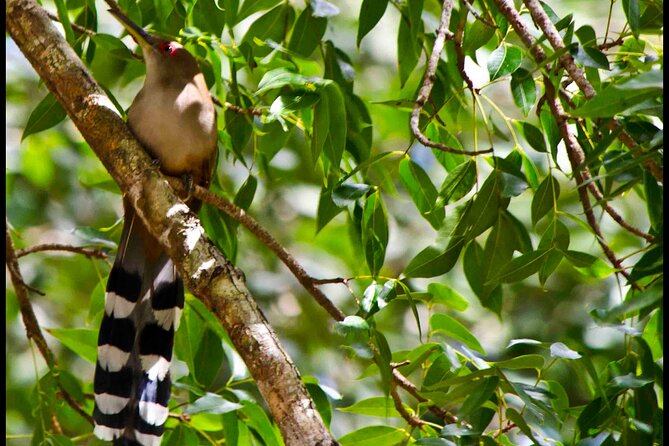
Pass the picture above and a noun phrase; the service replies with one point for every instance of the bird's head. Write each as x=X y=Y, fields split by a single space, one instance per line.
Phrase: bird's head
x=165 y=60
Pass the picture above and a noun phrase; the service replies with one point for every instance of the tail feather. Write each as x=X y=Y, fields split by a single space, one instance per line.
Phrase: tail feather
x=143 y=303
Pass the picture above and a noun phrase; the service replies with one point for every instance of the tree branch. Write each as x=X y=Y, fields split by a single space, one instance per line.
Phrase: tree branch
x=578 y=76
x=428 y=82
x=266 y=238
x=205 y=271
x=33 y=330
x=574 y=151
x=88 y=252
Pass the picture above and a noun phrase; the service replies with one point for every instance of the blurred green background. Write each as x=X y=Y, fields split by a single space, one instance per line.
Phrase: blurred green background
x=57 y=191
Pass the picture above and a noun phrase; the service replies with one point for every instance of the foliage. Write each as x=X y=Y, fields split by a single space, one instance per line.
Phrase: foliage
x=478 y=279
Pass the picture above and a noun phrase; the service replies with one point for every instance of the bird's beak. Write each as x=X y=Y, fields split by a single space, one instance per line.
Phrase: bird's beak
x=144 y=39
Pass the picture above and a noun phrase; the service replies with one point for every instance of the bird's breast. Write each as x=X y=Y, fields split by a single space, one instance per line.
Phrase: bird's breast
x=176 y=125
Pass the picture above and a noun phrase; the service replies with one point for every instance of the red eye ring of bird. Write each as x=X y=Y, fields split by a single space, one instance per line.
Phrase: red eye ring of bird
x=169 y=48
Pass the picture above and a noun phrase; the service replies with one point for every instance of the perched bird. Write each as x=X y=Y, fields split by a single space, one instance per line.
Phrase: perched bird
x=173 y=116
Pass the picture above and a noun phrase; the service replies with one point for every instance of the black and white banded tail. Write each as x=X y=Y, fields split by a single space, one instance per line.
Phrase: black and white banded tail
x=143 y=303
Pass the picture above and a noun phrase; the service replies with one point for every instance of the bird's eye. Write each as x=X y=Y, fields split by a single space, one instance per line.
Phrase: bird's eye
x=168 y=48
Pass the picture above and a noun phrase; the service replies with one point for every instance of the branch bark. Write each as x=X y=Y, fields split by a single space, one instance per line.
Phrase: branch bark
x=428 y=82
x=204 y=269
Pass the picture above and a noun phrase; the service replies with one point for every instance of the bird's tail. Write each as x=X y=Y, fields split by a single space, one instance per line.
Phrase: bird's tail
x=143 y=303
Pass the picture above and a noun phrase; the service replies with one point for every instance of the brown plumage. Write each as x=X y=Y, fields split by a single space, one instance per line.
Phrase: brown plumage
x=174 y=118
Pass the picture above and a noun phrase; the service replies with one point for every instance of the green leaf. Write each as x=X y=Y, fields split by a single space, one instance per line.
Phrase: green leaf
x=320 y=399
x=559 y=350
x=479 y=395
x=352 y=324
x=440 y=369
x=252 y=6
x=272 y=25
x=379 y=406
x=617 y=98
x=458 y=182
x=450 y=327
x=208 y=16
x=521 y=267
x=433 y=261
x=181 y=435
x=533 y=136
x=422 y=192
x=358 y=128
x=504 y=60
x=487 y=205
x=374 y=226
x=209 y=358
x=281 y=77
x=545 y=198
x=347 y=192
x=211 y=403
x=408 y=49
x=47 y=114
x=329 y=126
x=551 y=130
x=82 y=341
x=476 y=35
x=654 y=193
x=64 y=19
x=634 y=303
x=371 y=12
x=258 y=421
x=246 y=192
x=521 y=362
x=273 y=139
x=441 y=294
x=327 y=208
x=519 y=421
x=632 y=12
x=374 y=436
x=523 y=90
x=307 y=33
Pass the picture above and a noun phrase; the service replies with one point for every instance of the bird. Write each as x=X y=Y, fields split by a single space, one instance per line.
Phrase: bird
x=174 y=118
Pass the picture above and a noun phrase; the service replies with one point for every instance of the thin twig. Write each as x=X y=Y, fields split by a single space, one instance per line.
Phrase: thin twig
x=408 y=386
x=592 y=187
x=477 y=15
x=333 y=280
x=79 y=28
x=266 y=238
x=608 y=45
x=459 y=53
x=581 y=173
x=428 y=82
x=413 y=420
x=509 y=426
x=574 y=150
x=33 y=330
x=552 y=34
x=630 y=143
x=241 y=110
x=88 y=252
x=578 y=75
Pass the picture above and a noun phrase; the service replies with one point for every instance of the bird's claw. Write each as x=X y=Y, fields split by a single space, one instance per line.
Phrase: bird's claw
x=188 y=185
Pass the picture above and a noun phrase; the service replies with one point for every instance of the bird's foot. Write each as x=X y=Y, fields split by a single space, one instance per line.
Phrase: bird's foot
x=188 y=185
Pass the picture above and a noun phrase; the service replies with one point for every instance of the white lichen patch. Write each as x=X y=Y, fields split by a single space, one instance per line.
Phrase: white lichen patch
x=205 y=266
x=177 y=208
x=102 y=101
x=193 y=235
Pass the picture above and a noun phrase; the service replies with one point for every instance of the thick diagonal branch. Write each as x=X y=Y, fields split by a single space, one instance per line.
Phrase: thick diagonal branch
x=206 y=272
